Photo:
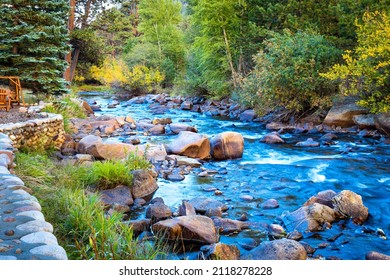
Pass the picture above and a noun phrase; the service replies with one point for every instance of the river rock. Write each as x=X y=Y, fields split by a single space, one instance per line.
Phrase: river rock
x=202 y=204
x=190 y=144
x=308 y=143
x=372 y=255
x=382 y=123
x=282 y=249
x=154 y=152
x=163 y=121
x=350 y=205
x=227 y=145
x=309 y=218
x=132 y=140
x=192 y=229
x=186 y=209
x=220 y=251
x=110 y=151
x=227 y=226
x=120 y=195
x=247 y=116
x=364 y=121
x=182 y=160
x=86 y=142
x=144 y=184
x=270 y=204
x=342 y=113
x=139 y=226
x=280 y=126
x=323 y=197
x=272 y=138
x=69 y=146
x=158 y=211
x=186 y=105
x=177 y=127
x=157 y=130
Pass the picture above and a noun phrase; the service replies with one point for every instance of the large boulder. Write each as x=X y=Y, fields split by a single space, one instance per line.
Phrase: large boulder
x=282 y=249
x=192 y=229
x=227 y=145
x=144 y=184
x=110 y=151
x=382 y=123
x=86 y=142
x=342 y=113
x=190 y=144
x=309 y=218
x=350 y=205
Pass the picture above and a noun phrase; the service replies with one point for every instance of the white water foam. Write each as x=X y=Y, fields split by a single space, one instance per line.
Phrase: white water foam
x=383 y=180
x=276 y=158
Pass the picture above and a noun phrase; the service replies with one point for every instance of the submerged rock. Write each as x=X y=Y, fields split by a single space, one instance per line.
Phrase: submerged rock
x=308 y=143
x=203 y=204
x=372 y=255
x=282 y=249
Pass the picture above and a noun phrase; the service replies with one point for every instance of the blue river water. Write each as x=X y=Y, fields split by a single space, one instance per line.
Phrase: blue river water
x=285 y=172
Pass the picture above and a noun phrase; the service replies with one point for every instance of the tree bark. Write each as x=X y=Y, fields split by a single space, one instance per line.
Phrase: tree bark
x=71 y=22
x=230 y=59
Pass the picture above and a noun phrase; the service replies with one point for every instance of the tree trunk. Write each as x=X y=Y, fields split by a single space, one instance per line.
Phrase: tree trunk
x=68 y=58
x=230 y=59
x=73 y=64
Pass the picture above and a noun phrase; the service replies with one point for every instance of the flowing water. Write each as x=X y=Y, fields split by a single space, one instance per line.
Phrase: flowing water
x=284 y=172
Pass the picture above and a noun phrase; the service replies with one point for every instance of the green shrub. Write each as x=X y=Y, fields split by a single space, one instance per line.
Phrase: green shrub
x=287 y=74
x=366 y=71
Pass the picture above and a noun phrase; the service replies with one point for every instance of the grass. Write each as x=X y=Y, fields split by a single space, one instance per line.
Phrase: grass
x=80 y=222
x=67 y=108
x=111 y=173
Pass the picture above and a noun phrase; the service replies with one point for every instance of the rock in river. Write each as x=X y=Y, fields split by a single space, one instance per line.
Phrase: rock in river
x=282 y=249
x=192 y=229
x=190 y=144
x=227 y=145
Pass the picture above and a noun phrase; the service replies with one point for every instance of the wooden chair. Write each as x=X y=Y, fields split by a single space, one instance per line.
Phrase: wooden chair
x=5 y=100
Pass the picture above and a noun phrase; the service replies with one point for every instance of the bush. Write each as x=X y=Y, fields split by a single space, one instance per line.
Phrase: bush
x=366 y=71
x=116 y=73
x=286 y=74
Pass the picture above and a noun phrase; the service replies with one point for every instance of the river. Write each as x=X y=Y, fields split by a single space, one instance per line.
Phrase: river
x=285 y=172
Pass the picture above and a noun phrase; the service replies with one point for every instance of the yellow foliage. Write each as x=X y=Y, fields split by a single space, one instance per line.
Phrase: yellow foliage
x=115 y=72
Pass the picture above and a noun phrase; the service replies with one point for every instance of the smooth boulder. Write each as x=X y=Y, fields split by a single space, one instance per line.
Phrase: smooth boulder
x=343 y=112
x=190 y=144
x=227 y=145
x=350 y=205
x=272 y=138
x=110 y=151
x=281 y=249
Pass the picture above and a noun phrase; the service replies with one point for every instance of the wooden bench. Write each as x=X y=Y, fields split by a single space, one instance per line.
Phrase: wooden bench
x=5 y=99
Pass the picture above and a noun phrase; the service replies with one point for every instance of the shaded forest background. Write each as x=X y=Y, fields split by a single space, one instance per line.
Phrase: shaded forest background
x=298 y=55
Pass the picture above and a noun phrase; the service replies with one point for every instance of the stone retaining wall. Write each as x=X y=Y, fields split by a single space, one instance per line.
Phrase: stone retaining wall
x=41 y=132
x=24 y=233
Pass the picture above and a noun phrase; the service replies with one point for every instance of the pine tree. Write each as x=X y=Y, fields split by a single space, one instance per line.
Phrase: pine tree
x=33 y=36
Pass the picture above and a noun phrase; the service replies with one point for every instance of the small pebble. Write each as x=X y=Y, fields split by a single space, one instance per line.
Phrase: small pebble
x=323 y=245
x=218 y=192
x=18 y=251
x=9 y=232
x=9 y=219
